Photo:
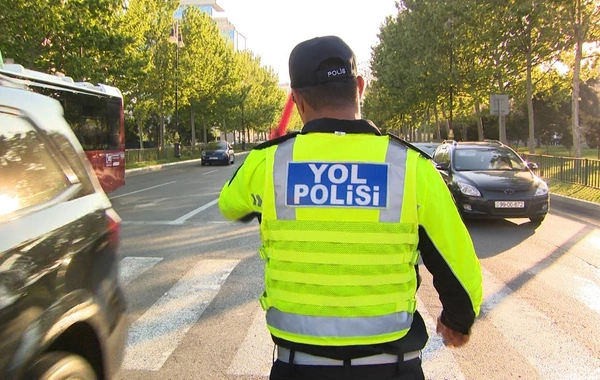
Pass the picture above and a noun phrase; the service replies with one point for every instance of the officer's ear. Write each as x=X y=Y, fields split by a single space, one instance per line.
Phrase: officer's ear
x=297 y=97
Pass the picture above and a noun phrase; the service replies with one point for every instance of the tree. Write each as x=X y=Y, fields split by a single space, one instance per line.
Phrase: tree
x=581 y=24
x=145 y=75
x=204 y=66
x=79 y=38
x=590 y=113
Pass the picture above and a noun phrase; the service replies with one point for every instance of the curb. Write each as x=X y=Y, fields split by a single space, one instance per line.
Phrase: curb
x=162 y=166
x=581 y=206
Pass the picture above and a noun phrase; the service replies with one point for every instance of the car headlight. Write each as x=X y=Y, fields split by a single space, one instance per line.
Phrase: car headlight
x=469 y=190
x=541 y=190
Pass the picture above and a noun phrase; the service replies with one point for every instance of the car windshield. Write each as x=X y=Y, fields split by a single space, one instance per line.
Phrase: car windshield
x=216 y=146
x=426 y=147
x=470 y=159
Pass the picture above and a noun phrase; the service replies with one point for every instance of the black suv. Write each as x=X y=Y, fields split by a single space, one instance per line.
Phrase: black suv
x=62 y=311
x=488 y=179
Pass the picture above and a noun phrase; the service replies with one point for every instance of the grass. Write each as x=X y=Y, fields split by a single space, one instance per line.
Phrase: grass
x=574 y=191
x=143 y=164
x=561 y=151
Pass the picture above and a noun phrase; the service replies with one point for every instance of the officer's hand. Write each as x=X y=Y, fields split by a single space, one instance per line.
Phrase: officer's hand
x=450 y=337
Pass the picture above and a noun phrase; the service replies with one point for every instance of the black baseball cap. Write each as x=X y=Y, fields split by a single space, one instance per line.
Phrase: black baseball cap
x=307 y=56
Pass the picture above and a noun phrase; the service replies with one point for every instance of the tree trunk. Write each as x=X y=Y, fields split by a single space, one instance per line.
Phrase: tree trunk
x=480 y=134
x=204 y=129
x=501 y=119
x=140 y=125
x=193 y=126
x=530 y=106
x=575 y=98
x=438 y=135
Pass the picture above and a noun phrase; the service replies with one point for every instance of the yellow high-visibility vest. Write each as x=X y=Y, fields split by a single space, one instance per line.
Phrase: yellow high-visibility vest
x=340 y=234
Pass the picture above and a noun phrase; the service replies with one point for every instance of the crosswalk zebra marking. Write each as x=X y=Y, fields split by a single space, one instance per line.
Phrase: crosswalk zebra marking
x=131 y=268
x=254 y=357
x=438 y=361
x=158 y=332
x=519 y=322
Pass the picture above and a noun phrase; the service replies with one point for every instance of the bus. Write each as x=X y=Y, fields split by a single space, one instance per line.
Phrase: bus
x=95 y=113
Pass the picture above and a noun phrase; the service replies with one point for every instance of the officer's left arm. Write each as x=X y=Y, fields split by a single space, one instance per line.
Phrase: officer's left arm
x=447 y=250
x=241 y=196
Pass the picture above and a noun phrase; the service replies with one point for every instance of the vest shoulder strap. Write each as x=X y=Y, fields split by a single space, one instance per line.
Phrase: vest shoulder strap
x=408 y=145
x=276 y=141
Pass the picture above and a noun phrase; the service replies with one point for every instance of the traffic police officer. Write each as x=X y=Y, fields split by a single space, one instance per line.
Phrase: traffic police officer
x=345 y=213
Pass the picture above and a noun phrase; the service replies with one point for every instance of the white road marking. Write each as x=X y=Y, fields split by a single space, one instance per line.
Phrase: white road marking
x=255 y=355
x=196 y=211
x=158 y=332
x=212 y=171
x=149 y=204
x=131 y=268
x=535 y=336
x=438 y=361
x=588 y=293
x=139 y=191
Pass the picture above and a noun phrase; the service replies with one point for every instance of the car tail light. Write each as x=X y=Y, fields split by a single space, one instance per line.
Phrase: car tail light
x=114 y=225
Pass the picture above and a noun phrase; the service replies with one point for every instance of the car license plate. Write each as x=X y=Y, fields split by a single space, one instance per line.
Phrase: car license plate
x=510 y=204
x=213 y=158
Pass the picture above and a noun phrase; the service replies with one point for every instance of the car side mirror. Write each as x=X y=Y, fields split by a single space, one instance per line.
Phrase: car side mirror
x=532 y=166
x=442 y=166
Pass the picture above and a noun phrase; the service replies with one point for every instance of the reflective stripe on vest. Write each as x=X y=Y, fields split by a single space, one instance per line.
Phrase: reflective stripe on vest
x=349 y=257
x=340 y=327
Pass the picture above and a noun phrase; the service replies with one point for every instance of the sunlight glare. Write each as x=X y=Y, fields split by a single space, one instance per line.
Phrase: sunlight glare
x=8 y=204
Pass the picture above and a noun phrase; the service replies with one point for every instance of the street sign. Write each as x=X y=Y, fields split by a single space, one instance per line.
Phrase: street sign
x=499 y=104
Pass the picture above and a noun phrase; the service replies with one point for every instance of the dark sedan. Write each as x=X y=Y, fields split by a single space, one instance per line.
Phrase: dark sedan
x=490 y=180
x=219 y=152
x=62 y=310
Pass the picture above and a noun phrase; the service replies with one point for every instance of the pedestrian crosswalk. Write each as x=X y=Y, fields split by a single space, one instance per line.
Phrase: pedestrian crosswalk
x=547 y=349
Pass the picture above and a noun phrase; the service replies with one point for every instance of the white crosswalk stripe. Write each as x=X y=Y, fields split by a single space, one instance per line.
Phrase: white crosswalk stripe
x=154 y=336
x=132 y=267
x=518 y=321
x=255 y=355
x=551 y=351
x=438 y=361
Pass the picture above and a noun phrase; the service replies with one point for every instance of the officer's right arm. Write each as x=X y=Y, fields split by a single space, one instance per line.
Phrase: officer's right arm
x=447 y=250
x=241 y=196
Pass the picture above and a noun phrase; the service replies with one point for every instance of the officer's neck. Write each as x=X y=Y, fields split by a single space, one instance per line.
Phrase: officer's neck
x=348 y=113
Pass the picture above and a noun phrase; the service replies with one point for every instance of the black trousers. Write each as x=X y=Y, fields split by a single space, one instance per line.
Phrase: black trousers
x=409 y=370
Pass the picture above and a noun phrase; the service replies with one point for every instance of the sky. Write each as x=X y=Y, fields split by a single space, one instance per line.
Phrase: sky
x=273 y=27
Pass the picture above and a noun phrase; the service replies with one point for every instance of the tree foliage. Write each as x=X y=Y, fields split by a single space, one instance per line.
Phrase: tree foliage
x=440 y=60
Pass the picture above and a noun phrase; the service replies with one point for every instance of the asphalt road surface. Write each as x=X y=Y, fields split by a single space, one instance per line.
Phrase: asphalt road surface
x=193 y=281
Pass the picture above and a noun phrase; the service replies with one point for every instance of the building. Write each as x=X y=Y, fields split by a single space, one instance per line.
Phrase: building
x=227 y=29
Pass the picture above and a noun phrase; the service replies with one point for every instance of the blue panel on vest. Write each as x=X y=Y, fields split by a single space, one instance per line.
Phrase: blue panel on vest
x=320 y=184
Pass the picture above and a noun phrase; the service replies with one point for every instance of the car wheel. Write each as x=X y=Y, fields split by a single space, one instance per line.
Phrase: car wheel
x=203 y=163
x=62 y=366
x=536 y=221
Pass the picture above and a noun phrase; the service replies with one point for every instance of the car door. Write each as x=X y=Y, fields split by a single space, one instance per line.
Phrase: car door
x=46 y=221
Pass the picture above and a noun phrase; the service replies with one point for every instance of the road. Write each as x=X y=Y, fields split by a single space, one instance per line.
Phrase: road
x=193 y=281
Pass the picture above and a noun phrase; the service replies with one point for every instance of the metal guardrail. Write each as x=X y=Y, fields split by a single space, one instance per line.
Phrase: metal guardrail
x=579 y=171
